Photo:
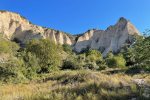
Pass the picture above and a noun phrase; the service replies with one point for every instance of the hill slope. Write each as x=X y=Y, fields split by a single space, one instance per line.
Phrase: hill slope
x=15 y=27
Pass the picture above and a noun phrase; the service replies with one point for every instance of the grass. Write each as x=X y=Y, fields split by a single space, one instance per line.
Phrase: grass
x=76 y=85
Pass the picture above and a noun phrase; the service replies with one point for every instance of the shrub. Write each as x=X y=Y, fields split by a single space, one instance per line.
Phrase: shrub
x=47 y=52
x=138 y=68
x=92 y=66
x=93 y=56
x=67 y=48
x=70 y=65
x=72 y=62
x=129 y=56
x=138 y=56
x=116 y=61
x=8 y=46
x=31 y=63
x=12 y=70
x=101 y=64
x=120 y=61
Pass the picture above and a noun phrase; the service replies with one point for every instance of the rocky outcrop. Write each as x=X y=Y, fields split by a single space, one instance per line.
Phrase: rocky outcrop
x=113 y=38
x=15 y=27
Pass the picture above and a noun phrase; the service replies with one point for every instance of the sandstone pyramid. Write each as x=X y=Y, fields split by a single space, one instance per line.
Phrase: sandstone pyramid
x=15 y=27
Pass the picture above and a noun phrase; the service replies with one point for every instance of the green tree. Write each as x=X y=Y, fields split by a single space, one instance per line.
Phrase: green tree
x=31 y=64
x=94 y=60
x=142 y=55
x=11 y=70
x=116 y=61
x=93 y=56
x=67 y=48
x=137 y=55
x=47 y=52
x=72 y=62
x=7 y=46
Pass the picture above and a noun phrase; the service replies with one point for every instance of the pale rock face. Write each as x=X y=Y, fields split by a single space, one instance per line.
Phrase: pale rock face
x=111 y=39
x=13 y=26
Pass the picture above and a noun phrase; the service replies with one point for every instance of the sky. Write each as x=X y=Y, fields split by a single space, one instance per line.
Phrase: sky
x=78 y=16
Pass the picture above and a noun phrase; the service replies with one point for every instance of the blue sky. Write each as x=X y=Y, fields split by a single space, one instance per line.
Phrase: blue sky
x=77 y=16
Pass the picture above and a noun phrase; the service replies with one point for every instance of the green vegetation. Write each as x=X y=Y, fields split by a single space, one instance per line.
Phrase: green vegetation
x=17 y=64
x=43 y=56
x=138 y=56
x=47 y=52
x=7 y=46
x=115 y=61
x=55 y=72
x=67 y=48
x=91 y=59
x=31 y=64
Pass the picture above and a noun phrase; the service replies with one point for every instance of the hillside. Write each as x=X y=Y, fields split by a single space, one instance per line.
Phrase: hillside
x=15 y=27
x=39 y=63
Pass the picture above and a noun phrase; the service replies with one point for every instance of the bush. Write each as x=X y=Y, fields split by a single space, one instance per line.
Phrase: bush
x=70 y=65
x=8 y=46
x=12 y=70
x=93 y=56
x=72 y=62
x=47 y=52
x=31 y=64
x=138 y=56
x=101 y=64
x=92 y=66
x=116 y=61
x=67 y=48
x=138 y=68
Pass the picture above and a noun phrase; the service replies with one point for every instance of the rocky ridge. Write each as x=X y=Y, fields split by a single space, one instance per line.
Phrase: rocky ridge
x=15 y=27
x=113 y=38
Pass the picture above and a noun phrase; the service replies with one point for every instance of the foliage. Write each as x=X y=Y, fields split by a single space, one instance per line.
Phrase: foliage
x=31 y=64
x=70 y=65
x=93 y=55
x=72 y=62
x=115 y=61
x=67 y=48
x=39 y=56
x=7 y=46
x=91 y=59
x=138 y=55
x=48 y=53
x=94 y=60
x=119 y=61
x=12 y=70
x=101 y=65
x=92 y=66
x=43 y=56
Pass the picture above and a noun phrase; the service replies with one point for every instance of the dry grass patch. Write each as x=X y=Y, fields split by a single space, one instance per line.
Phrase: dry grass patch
x=75 y=85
